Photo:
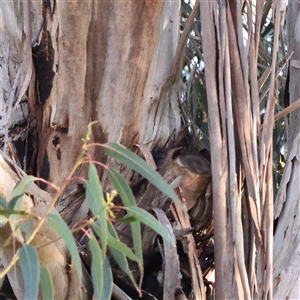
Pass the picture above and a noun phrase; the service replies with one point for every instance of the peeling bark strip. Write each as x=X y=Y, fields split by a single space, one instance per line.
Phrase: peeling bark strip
x=218 y=152
x=172 y=274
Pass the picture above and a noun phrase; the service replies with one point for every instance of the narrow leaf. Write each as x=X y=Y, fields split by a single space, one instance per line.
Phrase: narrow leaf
x=127 y=197
x=96 y=267
x=121 y=259
x=15 y=204
x=96 y=202
x=3 y=203
x=29 y=264
x=64 y=232
x=107 y=280
x=118 y=245
x=146 y=218
x=127 y=219
x=134 y=162
x=96 y=225
x=26 y=227
x=14 y=222
x=121 y=187
x=113 y=236
x=94 y=192
x=18 y=234
x=46 y=283
x=19 y=190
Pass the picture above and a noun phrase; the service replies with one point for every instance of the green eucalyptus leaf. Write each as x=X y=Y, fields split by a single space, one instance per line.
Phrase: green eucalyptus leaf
x=121 y=260
x=97 y=227
x=96 y=202
x=15 y=221
x=19 y=190
x=94 y=192
x=29 y=263
x=127 y=197
x=3 y=203
x=146 y=218
x=15 y=204
x=127 y=219
x=26 y=227
x=96 y=267
x=115 y=243
x=121 y=187
x=46 y=283
x=132 y=161
x=64 y=232
x=107 y=280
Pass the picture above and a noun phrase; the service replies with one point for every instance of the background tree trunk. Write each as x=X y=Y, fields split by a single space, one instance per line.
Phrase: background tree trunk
x=287 y=207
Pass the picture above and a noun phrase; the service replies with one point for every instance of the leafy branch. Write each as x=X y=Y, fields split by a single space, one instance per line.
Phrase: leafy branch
x=100 y=226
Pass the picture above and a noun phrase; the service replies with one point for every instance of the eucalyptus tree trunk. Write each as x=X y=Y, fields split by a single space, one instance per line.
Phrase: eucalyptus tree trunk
x=109 y=62
x=287 y=234
x=114 y=62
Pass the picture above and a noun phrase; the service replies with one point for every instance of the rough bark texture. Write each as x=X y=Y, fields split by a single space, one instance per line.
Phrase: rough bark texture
x=110 y=62
x=287 y=235
x=12 y=41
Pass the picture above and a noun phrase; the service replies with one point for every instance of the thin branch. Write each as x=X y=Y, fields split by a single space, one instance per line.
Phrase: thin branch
x=287 y=110
x=183 y=39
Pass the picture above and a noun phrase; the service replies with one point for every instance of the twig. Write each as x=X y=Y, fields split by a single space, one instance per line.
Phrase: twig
x=184 y=37
x=287 y=110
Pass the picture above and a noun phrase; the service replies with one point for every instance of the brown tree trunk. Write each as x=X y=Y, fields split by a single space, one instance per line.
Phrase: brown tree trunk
x=111 y=62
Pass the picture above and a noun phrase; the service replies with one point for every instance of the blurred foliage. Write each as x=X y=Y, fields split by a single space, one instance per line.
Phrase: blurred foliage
x=193 y=90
